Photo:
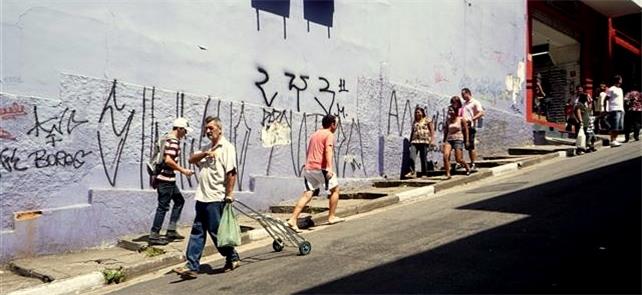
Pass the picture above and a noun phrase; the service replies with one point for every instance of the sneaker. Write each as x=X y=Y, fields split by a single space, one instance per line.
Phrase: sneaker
x=156 y=239
x=231 y=265
x=410 y=174
x=473 y=167
x=615 y=143
x=185 y=272
x=173 y=235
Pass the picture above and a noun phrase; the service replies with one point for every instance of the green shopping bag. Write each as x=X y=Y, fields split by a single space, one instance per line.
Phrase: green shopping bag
x=229 y=231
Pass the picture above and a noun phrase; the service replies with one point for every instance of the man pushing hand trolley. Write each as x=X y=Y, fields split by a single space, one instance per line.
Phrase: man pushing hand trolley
x=281 y=233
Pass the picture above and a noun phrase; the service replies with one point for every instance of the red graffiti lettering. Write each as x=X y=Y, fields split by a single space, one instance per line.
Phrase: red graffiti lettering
x=4 y=134
x=12 y=111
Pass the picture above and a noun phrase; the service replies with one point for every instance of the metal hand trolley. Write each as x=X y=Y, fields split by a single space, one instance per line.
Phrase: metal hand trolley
x=280 y=232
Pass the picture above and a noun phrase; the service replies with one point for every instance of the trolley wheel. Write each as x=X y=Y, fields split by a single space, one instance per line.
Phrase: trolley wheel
x=305 y=248
x=278 y=245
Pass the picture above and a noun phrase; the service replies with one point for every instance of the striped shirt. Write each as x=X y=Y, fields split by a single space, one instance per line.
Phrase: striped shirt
x=172 y=149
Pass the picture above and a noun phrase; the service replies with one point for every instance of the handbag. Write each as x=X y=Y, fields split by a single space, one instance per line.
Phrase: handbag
x=580 y=141
x=229 y=231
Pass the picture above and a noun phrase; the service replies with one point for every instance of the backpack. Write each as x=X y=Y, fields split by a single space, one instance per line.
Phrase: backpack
x=156 y=162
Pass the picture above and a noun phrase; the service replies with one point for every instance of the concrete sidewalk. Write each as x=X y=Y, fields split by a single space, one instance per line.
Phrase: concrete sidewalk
x=85 y=270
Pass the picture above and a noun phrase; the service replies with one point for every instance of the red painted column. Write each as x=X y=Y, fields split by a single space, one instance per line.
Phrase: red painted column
x=609 y=61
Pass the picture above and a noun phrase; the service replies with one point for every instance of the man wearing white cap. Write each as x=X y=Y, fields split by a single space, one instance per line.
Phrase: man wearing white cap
x=167 y=189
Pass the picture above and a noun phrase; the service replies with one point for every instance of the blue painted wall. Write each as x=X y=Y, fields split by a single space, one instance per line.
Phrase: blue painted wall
x=87 y=86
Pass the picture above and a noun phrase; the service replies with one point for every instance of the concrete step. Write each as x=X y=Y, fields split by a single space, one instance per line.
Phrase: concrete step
x=541 y=149
x=605 y=139
x=397 y=183
x=497 y=162
x=50 y=268
x=560 y=141
x=363 y=195
x=316 y=205
x=501 y=157
x=11 y=281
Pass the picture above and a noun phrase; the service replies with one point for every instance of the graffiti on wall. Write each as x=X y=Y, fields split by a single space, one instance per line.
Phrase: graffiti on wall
x=324 y=95
x=325 y=98
x=52 y=130
x=114 y=134
x=10 y=112
x=124 y=111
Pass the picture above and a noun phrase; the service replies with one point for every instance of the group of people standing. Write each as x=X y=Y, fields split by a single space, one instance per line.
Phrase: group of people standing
x=610 y=111
x=459 y=131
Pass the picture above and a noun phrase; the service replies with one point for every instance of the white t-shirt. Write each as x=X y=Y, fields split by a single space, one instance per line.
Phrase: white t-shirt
x=616 y=99
x=472 y=108
x=211 y=185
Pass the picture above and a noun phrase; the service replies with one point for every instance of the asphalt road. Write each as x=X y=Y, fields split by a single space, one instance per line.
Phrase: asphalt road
x=566 y=226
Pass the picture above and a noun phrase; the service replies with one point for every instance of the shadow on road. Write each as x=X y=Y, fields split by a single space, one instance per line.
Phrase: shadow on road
x=582 y=235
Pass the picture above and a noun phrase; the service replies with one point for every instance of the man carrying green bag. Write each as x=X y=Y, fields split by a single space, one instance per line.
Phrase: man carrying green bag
x=213 y=198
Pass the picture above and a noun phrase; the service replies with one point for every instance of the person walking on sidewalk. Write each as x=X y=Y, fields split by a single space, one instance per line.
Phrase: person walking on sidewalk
x=318 y=171
x=217 y=177
x=582 y=114
x=614 y=105
x=167 y=189
x=633 y=115
x=455 y=134
x=421 y=136
x=473 y=111
x=598 y=108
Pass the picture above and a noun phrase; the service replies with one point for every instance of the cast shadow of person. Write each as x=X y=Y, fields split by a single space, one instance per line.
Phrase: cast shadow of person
x=207 y=269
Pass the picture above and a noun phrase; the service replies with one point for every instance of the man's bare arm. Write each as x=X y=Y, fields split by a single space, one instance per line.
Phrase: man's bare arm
x=172 y=164
x=478 y=115
x=230 y=181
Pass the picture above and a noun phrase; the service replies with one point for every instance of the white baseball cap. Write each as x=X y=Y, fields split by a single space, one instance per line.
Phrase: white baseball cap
x=182 y=123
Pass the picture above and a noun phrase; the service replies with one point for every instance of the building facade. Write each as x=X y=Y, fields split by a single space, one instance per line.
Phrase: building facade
x=579 y=43
x=88 y=86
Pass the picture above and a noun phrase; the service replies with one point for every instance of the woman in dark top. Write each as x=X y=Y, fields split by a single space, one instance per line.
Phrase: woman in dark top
x=581 y=110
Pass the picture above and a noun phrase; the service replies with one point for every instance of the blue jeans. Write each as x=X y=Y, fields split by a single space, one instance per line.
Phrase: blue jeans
x=616 y=120
x=208 y=217
x=167 y=191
